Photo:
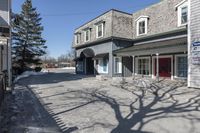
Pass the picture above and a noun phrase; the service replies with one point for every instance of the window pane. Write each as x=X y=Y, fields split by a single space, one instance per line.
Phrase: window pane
x=142 y=27
x=184 y=14
x=182 y=66
x=100 y=30
x=117 y=65
x=143 y=66
x=87 y=35
x=105 y=65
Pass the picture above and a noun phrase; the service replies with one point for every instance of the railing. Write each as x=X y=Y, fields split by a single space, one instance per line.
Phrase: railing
x=2 y=86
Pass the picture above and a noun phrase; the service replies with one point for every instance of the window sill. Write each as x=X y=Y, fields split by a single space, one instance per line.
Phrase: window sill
x=138 y=35
x=182 y=25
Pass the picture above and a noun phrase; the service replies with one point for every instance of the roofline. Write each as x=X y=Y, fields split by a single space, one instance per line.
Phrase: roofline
x=100 y=41
x=131 y=40
x=102 y=15
x=184 y=29
x=150 y=37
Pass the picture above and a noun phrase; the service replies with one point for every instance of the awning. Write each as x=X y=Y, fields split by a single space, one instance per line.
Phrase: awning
x=164 y=47
x=100 y=56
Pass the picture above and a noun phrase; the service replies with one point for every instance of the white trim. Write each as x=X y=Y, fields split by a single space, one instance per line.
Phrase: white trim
x=97 y=29
x=162 y=56
x=133 y=67
x=141 y=17
x=180 y=4
x=179 y=13
x=176 y=67
x=146 y=26
x=120 y=65
x=136 y=64
x=78 y=36
x=189 y=43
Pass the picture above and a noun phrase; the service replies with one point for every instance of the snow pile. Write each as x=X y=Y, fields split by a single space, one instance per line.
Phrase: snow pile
x=29 y=73
x=68 y=68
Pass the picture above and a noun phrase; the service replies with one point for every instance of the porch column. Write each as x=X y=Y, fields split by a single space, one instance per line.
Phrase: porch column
x=111 y=65
x=85 y=66
x=133 y=66
x=95 y=67
x=157 y=66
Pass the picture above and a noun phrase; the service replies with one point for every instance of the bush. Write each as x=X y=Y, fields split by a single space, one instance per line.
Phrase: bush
x=38 y=69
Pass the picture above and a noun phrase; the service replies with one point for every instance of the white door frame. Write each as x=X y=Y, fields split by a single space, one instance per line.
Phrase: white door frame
x=162 y=56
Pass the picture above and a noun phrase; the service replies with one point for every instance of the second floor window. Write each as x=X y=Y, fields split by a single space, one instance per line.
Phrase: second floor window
x=100 y=30
x=78 y=38
x=141 y=25
x=87 y=35
x=183 y=14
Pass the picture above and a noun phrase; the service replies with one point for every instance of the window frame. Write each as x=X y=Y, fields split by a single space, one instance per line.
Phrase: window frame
x=176 y=65
x=85 y=35
x=137 y=65
x=180 y=7
x=138 y=21
x=101 y=66
x=78 y=38
x=120 y=65
x=97 y=30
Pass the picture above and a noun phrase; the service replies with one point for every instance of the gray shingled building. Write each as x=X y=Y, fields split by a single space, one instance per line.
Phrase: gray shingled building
x=154 y=42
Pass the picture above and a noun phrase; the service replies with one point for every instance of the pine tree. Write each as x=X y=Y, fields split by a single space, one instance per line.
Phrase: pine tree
x=28 y=44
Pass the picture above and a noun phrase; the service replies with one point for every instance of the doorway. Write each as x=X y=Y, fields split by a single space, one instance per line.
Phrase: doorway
x=89 y=66
x=165 y=67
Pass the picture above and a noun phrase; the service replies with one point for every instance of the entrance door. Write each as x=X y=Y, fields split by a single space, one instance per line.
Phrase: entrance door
x=164 y=67
x=127 y=68
x=89 y=66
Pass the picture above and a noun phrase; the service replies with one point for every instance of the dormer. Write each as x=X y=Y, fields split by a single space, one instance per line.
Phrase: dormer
x=100 y=28
x=77 y=38
x=142 y=25
x=87 y=34
x=182 y=10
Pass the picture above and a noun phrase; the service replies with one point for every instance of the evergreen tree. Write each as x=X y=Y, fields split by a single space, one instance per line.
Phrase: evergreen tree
x=28 y=44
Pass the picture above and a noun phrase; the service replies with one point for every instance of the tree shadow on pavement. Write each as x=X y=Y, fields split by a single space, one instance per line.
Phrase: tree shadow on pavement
x=145 y=108
x=52 y=78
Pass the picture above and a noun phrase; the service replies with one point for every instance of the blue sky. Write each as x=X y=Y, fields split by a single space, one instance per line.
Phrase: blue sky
x=61 y=17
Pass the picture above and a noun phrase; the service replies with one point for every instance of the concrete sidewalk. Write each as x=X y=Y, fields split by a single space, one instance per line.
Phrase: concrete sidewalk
x=23 y=113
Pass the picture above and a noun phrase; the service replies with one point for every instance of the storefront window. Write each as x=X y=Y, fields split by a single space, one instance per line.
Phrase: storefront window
x=79 y=66
x=103 y=65
x=182 y=66
x=118 y=65
x=143 y=66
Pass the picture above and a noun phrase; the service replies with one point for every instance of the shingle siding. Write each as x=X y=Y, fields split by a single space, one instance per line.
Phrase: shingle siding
x=162 y=17
x=122 y=25
x=194 y=72
x=107 y=33
x=4 y=13
x=117 y=24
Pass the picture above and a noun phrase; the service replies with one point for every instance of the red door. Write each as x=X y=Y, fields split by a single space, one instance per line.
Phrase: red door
x=164 y=67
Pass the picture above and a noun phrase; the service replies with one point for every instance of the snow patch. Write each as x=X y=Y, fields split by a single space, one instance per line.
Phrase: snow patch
x=29 y=73
x=68 y=68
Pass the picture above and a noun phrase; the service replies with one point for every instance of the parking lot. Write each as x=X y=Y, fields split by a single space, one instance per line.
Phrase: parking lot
x=61 y=101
